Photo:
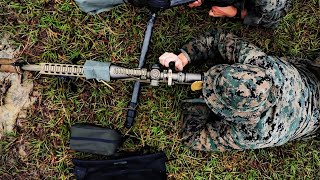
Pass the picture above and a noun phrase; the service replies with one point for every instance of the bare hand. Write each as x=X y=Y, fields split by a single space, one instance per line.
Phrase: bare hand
x=166 y=58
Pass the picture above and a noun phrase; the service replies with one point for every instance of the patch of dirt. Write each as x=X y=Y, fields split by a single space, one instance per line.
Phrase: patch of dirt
x=35 y=50
x=49 y=5
x=15 y=91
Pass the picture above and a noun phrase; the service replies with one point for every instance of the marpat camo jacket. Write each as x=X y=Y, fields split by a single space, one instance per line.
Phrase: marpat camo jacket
x=291 y=113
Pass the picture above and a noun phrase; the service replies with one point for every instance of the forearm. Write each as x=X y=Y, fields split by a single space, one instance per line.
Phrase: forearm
x=221 y=47
x=201 y=49
x=218 y=46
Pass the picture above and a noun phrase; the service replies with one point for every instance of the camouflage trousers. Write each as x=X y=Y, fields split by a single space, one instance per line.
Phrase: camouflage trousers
x=201 y=128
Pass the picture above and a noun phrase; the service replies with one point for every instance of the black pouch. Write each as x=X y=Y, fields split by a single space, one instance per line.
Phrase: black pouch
x=93 y=139
x=143 y=167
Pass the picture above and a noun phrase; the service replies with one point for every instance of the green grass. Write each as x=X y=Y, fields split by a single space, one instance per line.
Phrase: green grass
x=57 y=31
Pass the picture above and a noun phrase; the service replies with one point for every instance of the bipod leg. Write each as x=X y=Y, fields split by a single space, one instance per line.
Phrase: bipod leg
x=131 y=112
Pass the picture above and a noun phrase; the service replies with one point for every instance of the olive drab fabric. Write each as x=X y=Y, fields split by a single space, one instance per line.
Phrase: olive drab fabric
x=94 y=139
x=260 y=100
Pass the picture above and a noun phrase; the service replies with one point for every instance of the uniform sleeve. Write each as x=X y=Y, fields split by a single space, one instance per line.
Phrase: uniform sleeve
x=221 y=48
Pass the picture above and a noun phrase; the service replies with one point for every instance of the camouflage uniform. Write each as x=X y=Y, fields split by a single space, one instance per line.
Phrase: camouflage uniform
x=266 y=13
x=257 y=100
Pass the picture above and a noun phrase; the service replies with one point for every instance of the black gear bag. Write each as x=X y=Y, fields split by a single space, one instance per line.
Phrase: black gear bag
x=142 y=167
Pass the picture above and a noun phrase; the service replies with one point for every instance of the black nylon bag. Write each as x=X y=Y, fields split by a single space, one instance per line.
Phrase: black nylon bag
x=93 y=139
x=143 y=167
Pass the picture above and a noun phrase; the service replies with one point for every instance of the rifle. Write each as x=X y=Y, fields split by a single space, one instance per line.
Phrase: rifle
x=106 y=71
